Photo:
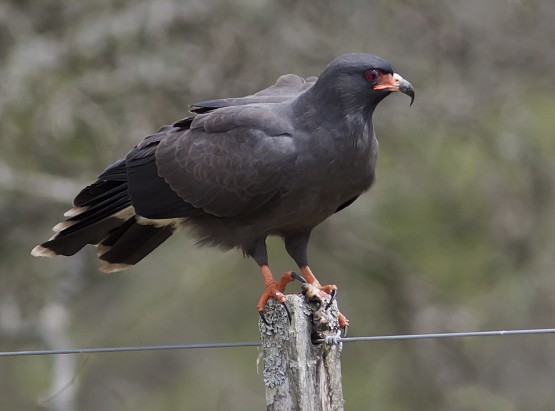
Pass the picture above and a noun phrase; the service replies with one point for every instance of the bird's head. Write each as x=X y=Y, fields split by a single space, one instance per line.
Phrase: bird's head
x=361 y=81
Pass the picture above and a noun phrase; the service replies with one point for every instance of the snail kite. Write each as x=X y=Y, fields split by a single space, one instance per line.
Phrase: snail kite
x=237 y=170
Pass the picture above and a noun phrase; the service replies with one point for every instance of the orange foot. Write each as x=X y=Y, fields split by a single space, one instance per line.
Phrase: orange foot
x=273 y=289
x=330 y=289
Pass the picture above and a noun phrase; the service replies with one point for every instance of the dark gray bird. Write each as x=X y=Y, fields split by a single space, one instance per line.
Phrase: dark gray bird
x=278 y=162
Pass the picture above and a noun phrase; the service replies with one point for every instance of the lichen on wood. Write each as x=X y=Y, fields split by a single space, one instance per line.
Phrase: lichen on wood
x=298 y=374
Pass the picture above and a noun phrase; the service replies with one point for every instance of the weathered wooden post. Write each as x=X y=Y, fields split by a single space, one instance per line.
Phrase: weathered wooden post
x=298 y=374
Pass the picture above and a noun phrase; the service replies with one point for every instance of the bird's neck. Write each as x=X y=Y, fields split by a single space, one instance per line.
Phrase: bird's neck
x=328 y=110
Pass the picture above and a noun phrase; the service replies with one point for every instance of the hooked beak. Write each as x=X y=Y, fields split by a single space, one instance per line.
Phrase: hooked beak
x=394 y=82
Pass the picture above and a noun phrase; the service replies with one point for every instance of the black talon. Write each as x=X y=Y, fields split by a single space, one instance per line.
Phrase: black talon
x=298 y=277
x=287 y=311
x=330 y=302
x=344 y=332
x=261 y=313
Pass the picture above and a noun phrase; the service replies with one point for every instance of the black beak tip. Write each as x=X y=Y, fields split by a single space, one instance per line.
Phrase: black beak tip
x=406 y=88
x=411 y=94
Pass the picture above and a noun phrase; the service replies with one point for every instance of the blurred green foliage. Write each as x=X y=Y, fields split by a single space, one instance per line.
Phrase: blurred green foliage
x=457 y=234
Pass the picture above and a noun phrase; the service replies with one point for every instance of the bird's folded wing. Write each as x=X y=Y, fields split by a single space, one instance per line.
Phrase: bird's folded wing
x=286 y=88
x=150 y=195
x=232 y=161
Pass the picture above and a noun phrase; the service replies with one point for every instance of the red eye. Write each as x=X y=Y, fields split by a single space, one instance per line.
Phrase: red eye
x=373 y=75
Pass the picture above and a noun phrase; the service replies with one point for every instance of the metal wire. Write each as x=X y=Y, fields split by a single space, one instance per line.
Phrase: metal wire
x=335 y=340
x=438 y=335
x=128 y=349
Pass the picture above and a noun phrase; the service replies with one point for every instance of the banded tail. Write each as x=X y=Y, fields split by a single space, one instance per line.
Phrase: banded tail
x=103 y=216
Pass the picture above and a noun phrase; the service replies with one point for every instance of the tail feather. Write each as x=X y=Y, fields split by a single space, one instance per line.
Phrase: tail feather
x=64 y=243
x=118 y=207
x=97 y=192
x=103 y=216
x=130 y=243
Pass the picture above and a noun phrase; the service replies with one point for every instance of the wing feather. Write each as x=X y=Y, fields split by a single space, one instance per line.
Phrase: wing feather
x=232 y=161
x=150 y=195
x=286 y=88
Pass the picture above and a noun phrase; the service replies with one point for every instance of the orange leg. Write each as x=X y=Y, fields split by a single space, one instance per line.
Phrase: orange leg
x=275 y=289
x=272 y=289
x=327 y=289
x=311 y=279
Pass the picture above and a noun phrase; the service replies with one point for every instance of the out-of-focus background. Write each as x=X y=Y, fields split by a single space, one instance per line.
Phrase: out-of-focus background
x=457 y=234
